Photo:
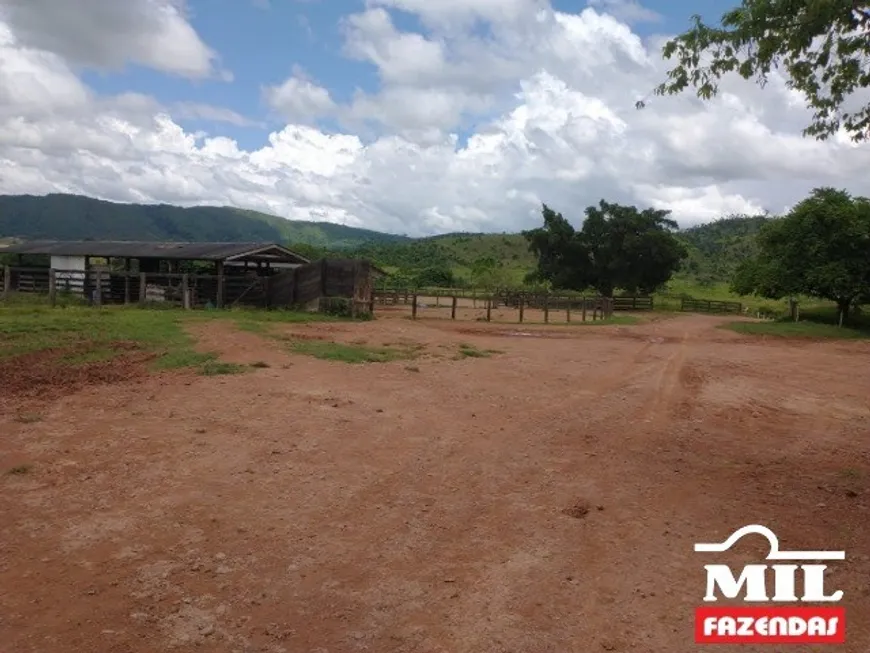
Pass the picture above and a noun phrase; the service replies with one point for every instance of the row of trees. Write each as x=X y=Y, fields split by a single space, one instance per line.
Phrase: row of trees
x=821 y=249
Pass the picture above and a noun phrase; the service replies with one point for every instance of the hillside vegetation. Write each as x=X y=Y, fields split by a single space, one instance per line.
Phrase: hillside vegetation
x=74 y=217
x=715 y=249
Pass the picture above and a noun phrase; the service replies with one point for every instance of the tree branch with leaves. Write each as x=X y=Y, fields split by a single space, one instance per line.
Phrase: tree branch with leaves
x=822 y=47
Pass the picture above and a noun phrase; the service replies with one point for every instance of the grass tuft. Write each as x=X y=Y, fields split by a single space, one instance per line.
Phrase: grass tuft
x=28 y=418
x=470 y=351
x=336 y=351
x=217 y=368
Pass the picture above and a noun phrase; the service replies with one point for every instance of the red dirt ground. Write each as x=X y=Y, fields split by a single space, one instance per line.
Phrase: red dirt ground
x=545 y=499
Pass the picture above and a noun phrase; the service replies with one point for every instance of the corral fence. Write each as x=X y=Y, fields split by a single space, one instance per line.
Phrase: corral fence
x=576 y=308
x=343 y=286
x=507 y=298
x=689 y=304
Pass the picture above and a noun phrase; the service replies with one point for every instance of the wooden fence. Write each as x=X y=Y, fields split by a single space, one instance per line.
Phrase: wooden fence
x=573 y=308
x=324 y=285
x=709 y=306
x=508 y=298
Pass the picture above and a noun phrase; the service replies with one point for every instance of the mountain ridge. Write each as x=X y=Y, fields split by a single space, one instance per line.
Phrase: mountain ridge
x=715 y=248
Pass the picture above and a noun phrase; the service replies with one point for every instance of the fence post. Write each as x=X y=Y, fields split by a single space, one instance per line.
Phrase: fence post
x=568 y=311
x=546 y=309
x=522 y=307
x=220 y=290
x=126 y=287
x=453 y=309
x=584 y=308
x=52 y=287
x=7 y=281
x=489 y=309
x=98 y=291
x=185 y=292
x=143 y=288
x=414 y=307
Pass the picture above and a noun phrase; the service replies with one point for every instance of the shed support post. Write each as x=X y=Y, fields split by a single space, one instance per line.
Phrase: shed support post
x=220 y=284
x=143 y=288
x=126 y=281
x=98 y=291
x=185 y=291
x=52 y=287
x=86 y=281
x=7 y=281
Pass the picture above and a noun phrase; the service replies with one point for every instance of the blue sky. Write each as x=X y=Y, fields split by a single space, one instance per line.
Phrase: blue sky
x=544 y=111
x=260 y=42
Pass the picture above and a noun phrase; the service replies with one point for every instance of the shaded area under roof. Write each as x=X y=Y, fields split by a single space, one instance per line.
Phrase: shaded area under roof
x=145 y=249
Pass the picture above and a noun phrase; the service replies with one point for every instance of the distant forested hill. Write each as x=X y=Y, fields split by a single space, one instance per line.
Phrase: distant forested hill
x=715 y=249
x=74 y=217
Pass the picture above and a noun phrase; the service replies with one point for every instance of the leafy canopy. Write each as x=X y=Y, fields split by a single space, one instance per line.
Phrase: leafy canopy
x=821 y=248
x=617 y=247
x=821 y=46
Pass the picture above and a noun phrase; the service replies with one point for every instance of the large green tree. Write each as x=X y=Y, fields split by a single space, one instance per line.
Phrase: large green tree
x=820 y=248
x=822 y=47
x=617 y=247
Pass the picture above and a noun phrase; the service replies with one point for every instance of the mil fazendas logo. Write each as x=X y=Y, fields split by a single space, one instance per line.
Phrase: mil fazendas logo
x=770 y=583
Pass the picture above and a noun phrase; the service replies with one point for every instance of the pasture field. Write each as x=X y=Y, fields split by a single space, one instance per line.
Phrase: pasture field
x=279 y=482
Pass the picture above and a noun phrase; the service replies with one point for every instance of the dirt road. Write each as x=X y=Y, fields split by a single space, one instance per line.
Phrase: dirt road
x=544 y=499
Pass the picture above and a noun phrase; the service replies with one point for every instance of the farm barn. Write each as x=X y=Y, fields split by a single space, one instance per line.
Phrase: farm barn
x=192 y=274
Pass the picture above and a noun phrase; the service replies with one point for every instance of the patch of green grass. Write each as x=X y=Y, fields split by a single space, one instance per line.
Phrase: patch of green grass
x=217 y=368
x=179 y=358
x=814 y=322
x=336 y=351
x=470 y=351
x=802 y=329
x=95 y=355
x=31 y=325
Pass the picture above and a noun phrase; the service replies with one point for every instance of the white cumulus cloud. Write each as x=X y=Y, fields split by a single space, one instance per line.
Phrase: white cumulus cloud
x=469 y=129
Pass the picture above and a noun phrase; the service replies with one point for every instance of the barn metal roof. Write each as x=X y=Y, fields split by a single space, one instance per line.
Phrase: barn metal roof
x=145 y=249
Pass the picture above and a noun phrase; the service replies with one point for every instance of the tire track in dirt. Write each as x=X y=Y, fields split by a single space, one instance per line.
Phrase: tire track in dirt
x=667 y=385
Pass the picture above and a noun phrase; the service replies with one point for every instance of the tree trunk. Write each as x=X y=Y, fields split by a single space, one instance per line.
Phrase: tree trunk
x=605 y=291
x=843 y=306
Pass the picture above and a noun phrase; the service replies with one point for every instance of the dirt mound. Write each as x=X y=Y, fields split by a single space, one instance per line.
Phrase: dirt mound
x=51 y=373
